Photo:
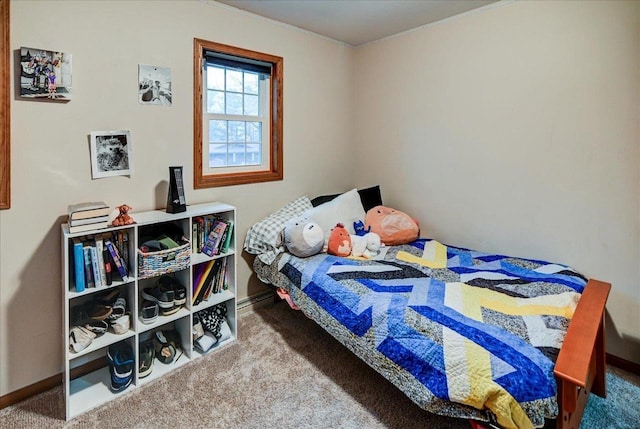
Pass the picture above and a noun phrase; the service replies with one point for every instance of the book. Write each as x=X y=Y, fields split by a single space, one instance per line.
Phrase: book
x=88 y=220
x=226 y=237
x=78 y=264
x=202 y=274
x=212 y=245
x=88 y=268
x=100 y=255
x=227 y=241
x=117 y=260
x=87 y=210
x=88 y=227
x=95 y=267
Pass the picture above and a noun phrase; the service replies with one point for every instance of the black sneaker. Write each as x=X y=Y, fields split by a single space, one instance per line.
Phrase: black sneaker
x=164 y=297
x=120 y=360
x=179 y=291
x=149 y=312
x=147 y=355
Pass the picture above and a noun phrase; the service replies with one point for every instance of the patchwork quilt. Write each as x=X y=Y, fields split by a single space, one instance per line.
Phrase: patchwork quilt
x=460 y=332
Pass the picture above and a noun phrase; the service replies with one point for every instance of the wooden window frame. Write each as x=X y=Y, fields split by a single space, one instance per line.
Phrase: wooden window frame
x=275 y=169
x=5 y=115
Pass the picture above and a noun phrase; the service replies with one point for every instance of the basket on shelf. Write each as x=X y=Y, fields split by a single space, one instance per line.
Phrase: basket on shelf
x=152 y=264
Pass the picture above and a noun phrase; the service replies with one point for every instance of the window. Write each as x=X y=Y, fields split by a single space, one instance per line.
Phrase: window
x=237 y=116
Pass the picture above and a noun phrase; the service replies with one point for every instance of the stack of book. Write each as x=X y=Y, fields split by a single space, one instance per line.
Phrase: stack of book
x=96 y=258
x=88 y=216
x=211 y=235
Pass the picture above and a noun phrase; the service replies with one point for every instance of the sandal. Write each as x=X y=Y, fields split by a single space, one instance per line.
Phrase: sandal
x=167 y=344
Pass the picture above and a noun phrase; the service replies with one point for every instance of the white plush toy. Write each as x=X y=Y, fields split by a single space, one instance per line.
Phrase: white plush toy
x=303 y=237
x=366 y=246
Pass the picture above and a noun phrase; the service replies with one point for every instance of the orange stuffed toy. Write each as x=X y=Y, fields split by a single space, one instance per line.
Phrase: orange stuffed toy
x=393 y=226
x=339 y=241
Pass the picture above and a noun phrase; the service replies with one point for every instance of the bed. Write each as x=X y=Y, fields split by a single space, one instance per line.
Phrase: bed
x=508 y=341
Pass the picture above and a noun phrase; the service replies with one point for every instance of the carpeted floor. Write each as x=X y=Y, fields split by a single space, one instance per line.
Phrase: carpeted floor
x=284 y=372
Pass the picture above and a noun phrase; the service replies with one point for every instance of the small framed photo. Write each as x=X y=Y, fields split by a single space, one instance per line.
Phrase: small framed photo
x=45 y=75
x=110 y=154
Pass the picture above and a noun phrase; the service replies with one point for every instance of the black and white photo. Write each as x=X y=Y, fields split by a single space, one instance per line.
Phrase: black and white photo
x=154 y=85
x=110 y=154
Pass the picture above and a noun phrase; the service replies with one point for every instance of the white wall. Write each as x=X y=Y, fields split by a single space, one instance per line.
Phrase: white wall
x=50 y=153
x=515 y=129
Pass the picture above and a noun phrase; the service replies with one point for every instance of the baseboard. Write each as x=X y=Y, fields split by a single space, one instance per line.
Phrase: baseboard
x=624 y=364
x=249 y=304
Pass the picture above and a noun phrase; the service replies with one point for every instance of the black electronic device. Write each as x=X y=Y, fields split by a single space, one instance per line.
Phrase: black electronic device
x=176 y=202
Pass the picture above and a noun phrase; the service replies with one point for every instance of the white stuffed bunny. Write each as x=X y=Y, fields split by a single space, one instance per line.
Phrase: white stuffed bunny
x=366 y=246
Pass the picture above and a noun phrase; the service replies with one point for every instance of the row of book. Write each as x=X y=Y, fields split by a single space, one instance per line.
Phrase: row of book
x=88 y=216
x=96 y=258
x=209 y=278
x=211 y=235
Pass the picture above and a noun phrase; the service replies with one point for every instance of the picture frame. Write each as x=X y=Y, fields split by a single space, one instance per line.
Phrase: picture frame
x=44 y=75
x=111 y=154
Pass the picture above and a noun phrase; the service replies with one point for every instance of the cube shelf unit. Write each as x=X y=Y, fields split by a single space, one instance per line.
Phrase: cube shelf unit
x=89 y=390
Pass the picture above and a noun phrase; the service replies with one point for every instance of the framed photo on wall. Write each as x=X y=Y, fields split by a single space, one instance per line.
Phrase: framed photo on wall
x=110 y=154
x=45 y=75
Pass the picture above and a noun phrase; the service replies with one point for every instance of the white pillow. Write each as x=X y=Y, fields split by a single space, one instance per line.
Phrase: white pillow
x=263 y=238
x=345 y=209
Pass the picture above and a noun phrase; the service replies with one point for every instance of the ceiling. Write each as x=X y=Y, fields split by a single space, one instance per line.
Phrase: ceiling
x=356 y=22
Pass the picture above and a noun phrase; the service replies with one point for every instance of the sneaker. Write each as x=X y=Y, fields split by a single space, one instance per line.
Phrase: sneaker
x=149 y=312
x=179 y=291
x=147 y=355
x=160 y=295
x=121 y=361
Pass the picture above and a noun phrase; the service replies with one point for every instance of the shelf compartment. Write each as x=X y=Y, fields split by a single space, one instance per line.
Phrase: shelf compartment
x=91 y=390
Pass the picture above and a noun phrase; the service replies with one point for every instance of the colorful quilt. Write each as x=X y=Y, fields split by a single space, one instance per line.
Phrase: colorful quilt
x=462 y=333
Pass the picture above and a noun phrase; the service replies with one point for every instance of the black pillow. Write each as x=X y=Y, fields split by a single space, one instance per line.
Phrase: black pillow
x=370 y=198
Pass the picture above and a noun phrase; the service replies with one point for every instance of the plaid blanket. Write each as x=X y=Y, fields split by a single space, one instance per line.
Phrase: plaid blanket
x=462 y=333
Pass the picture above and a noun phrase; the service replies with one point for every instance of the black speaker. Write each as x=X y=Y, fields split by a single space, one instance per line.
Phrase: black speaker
x=176 y=202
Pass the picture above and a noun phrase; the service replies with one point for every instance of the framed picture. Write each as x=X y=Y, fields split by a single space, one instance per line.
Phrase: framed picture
x=154 y=85
x=45 y=75
x=110 y=154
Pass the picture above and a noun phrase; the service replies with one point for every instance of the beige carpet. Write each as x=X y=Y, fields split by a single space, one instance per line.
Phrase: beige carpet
x=284 y=372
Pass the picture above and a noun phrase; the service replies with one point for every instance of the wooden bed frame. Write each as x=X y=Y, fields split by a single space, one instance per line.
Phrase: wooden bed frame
x=581 y=367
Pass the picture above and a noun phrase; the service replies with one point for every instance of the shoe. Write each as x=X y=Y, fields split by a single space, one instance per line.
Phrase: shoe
x=166 y=345
x=149 y=312
x=121 y=324
x=147 y=355
x=170 y=311
x=179 y=291
x=160 y=295
x=80 y=338
x=198 y=330
x=121 y=361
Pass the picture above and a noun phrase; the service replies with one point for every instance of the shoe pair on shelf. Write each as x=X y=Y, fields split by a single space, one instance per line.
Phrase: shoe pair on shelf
x=95 y=317
x=121 y=364
x=168 y=293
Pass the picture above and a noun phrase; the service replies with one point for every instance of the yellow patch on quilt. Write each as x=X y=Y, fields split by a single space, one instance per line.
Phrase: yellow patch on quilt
x=486 y=393
x=433 y=256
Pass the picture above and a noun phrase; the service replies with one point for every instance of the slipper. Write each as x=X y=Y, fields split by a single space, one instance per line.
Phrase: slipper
x=80 y=338
x=165 y=351
x=121 y=324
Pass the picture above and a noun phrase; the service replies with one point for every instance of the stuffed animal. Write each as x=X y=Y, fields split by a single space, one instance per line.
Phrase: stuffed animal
x=393 y=226
x=339 y=241
x=303 y=237
x=123 y=217
x=359 y=228
x=366 y=246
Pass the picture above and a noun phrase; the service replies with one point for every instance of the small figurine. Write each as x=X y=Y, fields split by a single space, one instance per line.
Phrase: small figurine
x=123 y=217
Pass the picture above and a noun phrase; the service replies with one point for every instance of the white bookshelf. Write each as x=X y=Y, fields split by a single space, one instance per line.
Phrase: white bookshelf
x=88 y=391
